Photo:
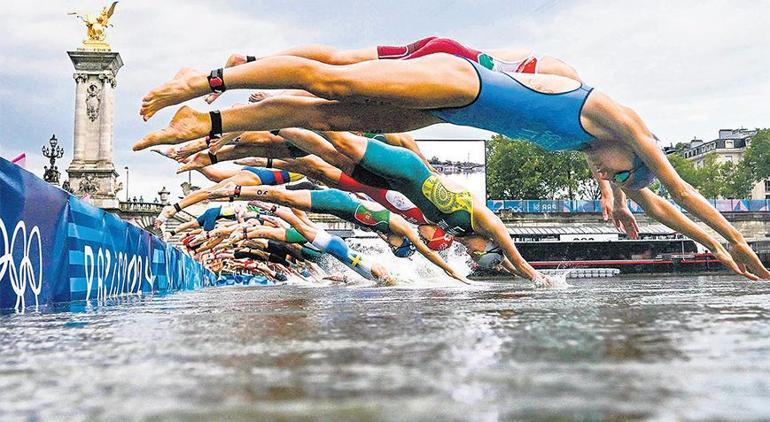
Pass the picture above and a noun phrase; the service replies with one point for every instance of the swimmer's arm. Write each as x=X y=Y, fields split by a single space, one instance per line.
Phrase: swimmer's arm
x=506 y=264
x=488 y=224
x=622 y=216
x=691 y=200
x=605 y=188
x=403 y=228
x=661 y=210
x=187 y=225
x=638 y=137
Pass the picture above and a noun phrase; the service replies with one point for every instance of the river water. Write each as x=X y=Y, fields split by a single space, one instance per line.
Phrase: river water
x=629 y=347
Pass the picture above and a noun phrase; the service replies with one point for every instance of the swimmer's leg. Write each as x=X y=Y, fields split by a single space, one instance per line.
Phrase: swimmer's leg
x=331 y=55
x=299 y=199
x=435 y=81
x=242 y=177
x=285 y=112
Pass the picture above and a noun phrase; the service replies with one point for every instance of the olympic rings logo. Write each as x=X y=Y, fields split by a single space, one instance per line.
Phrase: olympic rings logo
x=23 y=274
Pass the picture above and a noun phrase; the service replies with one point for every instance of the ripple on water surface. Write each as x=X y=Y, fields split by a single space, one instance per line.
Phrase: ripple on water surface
x=626 y=347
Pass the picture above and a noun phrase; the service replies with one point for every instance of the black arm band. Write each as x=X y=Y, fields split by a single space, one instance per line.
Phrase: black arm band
x=177 y=207
x=269 y=163
x=250 y=59
x=213 y=158
x=217 y=81
x=275 y=132
x=216 y=125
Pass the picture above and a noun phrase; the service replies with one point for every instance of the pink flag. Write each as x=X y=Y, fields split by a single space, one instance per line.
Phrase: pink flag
x=20 y=160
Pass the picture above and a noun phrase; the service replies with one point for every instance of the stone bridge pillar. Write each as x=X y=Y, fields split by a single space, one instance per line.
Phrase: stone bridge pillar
x=92 y=170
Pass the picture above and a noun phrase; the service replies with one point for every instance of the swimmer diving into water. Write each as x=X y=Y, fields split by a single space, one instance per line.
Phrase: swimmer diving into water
x=554 y=112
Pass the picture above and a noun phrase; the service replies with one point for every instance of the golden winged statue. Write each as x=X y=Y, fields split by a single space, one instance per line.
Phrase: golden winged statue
x=96 y=26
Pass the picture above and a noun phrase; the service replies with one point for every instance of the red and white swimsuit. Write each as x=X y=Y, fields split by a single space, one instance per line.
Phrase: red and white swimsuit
x=394 y=201
x=432 y=45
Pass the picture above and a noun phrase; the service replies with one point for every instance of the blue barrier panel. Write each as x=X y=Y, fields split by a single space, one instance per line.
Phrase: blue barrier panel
x=580 y=206
x=56 y=248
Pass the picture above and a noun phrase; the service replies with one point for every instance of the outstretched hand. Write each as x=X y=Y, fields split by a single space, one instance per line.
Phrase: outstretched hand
x=457 y=277
x=748 y=261
x=726 y=258
x=607 y=204
x=626 y=222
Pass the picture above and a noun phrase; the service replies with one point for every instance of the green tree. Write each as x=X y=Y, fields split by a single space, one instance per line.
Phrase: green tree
x=738 y=180
x=757 y=155
x=521 y=170
x=711 y=177
x=685 y=168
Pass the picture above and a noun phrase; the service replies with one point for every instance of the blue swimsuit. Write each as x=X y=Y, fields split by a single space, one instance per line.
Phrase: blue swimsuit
x=506 y=106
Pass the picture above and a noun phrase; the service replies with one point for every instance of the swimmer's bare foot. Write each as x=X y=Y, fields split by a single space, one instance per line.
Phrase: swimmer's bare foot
x=186 y=85
x=187 y=149
x=166 y=152
x=187 y=124
x=197 y=161
x=258 y=96
x=217 y=143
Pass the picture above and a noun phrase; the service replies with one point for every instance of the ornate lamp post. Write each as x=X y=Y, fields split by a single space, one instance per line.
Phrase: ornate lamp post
x=126 y=169
x=55 y=151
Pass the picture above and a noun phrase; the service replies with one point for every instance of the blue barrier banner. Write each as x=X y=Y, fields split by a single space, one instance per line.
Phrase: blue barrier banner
x=594 y=207
x=56 y=248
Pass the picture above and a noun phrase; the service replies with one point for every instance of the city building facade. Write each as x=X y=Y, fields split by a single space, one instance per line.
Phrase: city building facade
x=729 y=148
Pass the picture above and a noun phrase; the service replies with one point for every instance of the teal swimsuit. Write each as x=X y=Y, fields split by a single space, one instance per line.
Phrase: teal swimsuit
x=452 y=211
x=506 y=106
x=344 y=206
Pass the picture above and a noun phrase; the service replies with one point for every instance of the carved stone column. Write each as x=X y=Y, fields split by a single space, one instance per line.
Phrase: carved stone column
x=92 y=170
x=105 y=128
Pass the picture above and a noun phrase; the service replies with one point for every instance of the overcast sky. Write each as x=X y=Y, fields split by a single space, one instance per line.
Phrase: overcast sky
x=688 y=67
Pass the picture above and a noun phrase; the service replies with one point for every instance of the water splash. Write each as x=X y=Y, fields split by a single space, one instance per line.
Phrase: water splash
x=554 y=279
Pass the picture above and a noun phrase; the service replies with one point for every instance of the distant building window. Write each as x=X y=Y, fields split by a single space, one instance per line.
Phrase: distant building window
x=728 y=144
x=767 y=185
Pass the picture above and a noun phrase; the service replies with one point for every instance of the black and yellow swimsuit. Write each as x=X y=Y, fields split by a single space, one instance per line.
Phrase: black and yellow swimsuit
x=406 y=173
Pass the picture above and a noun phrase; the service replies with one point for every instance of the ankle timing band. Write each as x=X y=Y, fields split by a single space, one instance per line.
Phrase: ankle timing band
x=217 y=81
x=216 y=125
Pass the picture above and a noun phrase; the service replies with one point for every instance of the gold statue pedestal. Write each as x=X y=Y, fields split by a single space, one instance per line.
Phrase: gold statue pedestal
x=94 y=45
